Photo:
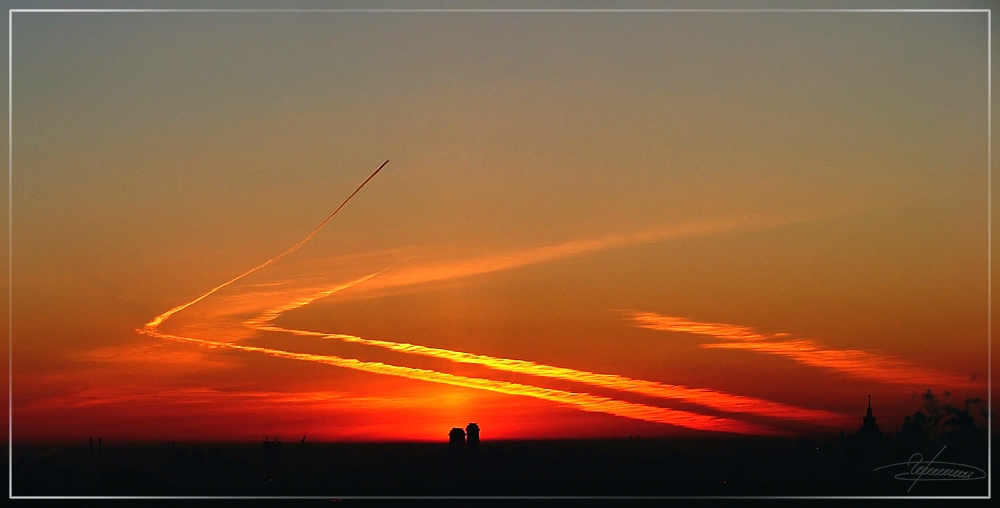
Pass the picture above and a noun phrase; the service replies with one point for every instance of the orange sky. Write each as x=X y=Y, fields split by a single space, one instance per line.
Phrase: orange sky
x=591 y=225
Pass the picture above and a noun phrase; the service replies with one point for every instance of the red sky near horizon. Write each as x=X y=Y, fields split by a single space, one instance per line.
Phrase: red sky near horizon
x=591 y=225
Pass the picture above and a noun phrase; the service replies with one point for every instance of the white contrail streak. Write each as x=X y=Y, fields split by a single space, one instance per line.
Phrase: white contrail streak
x=162 y=317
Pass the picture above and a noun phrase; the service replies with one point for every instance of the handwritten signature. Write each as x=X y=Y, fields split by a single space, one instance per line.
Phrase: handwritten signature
x=921 y=471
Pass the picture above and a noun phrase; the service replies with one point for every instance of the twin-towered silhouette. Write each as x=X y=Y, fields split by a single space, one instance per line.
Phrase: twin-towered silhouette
x=468 y=438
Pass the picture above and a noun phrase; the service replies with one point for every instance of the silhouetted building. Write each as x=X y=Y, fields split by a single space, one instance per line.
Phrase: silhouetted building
x=456 y=438
x=472 y=431
x=868 y=426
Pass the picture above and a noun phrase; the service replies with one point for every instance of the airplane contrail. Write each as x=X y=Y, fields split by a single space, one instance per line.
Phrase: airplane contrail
x=580 y=400
x=162 y=317
x=584 y=401
x=702 y=396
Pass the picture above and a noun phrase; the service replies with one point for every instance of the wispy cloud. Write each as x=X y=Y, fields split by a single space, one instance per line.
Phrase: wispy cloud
x=204 y=396
x=262 y=320
x=546 y=253
x=678 y=324
x=850 y=362
x=160 y=357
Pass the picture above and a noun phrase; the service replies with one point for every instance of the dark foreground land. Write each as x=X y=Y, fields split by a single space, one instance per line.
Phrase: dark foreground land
x=650 y=467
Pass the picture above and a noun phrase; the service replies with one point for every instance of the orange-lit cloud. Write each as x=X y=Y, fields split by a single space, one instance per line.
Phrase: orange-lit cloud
x=853 y=362
x=542 y=254
x=498 y=262
x=263 y=295
x=160 y=357
x=850 y=362
x=503 y=261
x=678 y=324
x=181 y=396
x=261 y=321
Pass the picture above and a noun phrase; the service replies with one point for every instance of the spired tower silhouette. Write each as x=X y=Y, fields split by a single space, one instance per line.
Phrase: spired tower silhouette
x=868 y=426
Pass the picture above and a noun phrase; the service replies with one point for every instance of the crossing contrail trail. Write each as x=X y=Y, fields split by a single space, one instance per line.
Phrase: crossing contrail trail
x=583 y=401
x=702 y=396
x=710 y=398
x=580 y=400
x=162 y=317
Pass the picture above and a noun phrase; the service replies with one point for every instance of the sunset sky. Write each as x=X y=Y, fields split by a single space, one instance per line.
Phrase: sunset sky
x=591 y=224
